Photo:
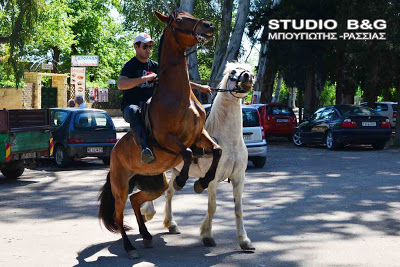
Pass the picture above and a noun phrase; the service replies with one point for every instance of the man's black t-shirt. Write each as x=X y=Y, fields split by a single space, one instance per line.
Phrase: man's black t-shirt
x=136 y=69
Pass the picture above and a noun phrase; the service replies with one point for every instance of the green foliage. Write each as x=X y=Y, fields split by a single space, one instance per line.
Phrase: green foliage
x=328 y=95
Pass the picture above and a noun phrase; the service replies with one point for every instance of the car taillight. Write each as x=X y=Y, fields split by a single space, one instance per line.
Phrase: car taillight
x=75 y=141
x=385 y=124
x=348 y=123
x=111 y=140
x=394 y=114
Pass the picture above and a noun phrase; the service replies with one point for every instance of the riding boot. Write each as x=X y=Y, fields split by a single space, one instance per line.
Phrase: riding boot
x=139 y=136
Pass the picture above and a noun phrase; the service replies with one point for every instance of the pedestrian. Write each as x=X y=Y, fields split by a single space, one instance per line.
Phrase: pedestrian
x=137 y=82
x=71 y=103
x=79 y=101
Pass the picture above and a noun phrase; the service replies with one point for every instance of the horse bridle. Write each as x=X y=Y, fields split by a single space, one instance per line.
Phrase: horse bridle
x=198 y=36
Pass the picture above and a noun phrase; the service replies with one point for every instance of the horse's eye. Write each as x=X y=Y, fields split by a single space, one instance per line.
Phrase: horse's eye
x=233 y=72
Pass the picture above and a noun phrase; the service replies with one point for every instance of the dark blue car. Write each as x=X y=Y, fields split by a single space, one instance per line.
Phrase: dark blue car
x=80 y=133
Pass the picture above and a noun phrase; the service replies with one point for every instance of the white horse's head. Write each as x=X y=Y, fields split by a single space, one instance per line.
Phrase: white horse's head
x=238 y=78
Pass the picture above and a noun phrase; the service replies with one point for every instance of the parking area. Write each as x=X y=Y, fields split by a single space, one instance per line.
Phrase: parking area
x=307 y=207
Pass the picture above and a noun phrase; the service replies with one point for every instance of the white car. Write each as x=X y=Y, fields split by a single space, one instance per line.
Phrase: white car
x=253 y=135
x=387 y=109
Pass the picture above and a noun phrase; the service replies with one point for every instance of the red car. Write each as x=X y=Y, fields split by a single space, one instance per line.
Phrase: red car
x=277 y=119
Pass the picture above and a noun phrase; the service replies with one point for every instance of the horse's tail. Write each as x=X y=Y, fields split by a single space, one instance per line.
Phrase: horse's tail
x=107 y=207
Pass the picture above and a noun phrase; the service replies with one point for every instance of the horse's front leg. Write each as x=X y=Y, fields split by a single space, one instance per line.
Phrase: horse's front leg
x=244 y=241
x=175 y=144
x=141 y=197
x=206 y=226
x=168 y=217
x=206 y=142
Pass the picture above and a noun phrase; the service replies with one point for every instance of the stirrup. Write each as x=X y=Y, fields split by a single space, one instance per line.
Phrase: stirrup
x=148 y=156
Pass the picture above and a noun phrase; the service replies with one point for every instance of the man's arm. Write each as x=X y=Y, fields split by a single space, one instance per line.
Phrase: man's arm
x=202 y=88
x=125 y=83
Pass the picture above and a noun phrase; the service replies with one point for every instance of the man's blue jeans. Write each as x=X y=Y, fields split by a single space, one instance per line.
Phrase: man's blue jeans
x=132 y=115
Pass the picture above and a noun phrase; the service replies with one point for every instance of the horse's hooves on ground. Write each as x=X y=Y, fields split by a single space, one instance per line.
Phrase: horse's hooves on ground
x=147 y=243
x=248 y=247
x=197 y=187
x=209 y=242
x=133 y=254
x=174 y=230
x=176 y=186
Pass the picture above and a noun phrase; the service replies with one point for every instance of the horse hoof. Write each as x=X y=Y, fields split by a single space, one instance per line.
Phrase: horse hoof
x=174 y=230
x=197 y=187
x=176 y=186
x=247 y=247
x=133 y=254
x=148 y=243
x=209 y=242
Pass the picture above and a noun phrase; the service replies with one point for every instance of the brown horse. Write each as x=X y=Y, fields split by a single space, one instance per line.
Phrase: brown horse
x=177 y=120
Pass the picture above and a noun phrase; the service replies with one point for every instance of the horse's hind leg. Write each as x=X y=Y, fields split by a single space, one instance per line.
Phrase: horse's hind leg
x=207 y=143
x=139 y=198
x=206 y=226
x=243 y=240
x=120 y=188
x=168 y=217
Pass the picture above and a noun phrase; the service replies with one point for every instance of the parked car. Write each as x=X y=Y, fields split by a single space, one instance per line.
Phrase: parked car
x=24 y=137
x=253 y=135
x=80 y=133
x=277 y=119
x=387 y=109
x=339 y=125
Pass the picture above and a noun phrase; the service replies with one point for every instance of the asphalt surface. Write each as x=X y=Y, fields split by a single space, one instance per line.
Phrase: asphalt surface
x=306 y=207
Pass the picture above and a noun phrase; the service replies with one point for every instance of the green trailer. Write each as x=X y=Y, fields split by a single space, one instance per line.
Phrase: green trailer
x=24 y=136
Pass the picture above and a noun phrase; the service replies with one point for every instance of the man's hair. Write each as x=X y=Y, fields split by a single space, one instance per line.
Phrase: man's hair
x=138 y=43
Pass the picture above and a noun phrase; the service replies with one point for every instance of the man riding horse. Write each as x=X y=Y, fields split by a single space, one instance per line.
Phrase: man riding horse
x=137 y=80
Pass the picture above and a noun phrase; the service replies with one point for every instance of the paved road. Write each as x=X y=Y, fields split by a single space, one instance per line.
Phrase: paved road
x=307 y=207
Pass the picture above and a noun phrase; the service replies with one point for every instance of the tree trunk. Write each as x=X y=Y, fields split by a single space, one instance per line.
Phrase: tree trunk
x=188 y=6
x=292 y=97
x=232 y=51
x=310 y=99
x=56 y=58
x=259 y=85
x=349 y=93
x=268 y=82
x=339 y=76
x=223 y=40
x=301 y=104
x=278 y=89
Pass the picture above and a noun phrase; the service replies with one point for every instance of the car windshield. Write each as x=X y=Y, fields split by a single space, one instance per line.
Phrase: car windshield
x=250 y=118
x=357 y=111
x=279 y=110
x=58 y=117
x=91 y=119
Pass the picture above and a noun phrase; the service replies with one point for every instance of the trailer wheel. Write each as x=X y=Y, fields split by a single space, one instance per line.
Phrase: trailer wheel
x=13 y=169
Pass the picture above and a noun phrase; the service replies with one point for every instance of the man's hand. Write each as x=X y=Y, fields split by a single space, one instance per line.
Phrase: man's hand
x=150 y=77
x=205 y=89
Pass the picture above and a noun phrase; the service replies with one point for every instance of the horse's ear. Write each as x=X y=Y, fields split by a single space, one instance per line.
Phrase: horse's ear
x=161 y=17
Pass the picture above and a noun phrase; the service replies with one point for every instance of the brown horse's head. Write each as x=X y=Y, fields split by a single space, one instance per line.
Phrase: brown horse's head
x=188 y=29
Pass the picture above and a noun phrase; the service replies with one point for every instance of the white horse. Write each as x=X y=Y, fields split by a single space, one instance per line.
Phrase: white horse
x=225 y=124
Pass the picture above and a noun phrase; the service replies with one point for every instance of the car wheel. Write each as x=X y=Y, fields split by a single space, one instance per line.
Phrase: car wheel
x=331 y=142
x=13 y=170
x=61 y=156
x=259 y=162
x=106 y=160
x=297 y=138
x=379 y=145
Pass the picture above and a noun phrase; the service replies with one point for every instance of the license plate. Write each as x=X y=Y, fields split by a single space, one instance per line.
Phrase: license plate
x=247 y=137
x=282 y=120
x=28 y=155
x=94 y=150
x=367 y=123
